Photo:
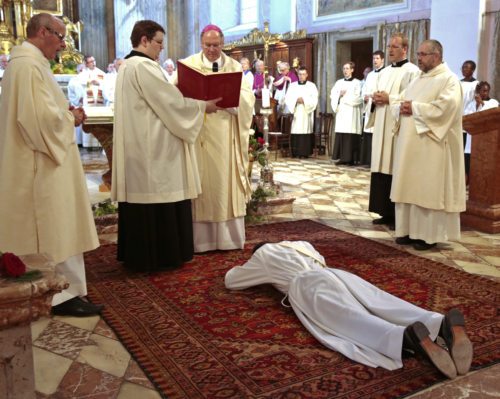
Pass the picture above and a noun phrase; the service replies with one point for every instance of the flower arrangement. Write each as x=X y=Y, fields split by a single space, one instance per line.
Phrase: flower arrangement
x=256 y=150
x=11 y=266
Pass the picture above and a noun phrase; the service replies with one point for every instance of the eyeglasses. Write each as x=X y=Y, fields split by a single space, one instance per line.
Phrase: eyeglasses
x=160 y=42
x=424 y=54
x=59 y=35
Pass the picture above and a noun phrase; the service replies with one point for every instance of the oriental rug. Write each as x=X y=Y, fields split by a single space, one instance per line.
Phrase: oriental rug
x=195 y=339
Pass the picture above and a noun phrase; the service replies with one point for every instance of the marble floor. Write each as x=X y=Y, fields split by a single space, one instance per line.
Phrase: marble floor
x=81 y=357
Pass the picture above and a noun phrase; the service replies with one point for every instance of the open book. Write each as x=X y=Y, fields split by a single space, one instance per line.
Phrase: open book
x=207 y=86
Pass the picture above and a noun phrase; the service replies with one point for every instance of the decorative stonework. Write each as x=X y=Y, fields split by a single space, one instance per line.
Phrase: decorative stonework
x=26 y=301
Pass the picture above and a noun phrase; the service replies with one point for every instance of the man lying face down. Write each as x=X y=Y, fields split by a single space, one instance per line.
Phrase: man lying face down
x=349 y=315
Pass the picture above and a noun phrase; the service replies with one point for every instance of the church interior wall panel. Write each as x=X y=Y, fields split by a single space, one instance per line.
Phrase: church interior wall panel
x=95 y=33
x=127 y=13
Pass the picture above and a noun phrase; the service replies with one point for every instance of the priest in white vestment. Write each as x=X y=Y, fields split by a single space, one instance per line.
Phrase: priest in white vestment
x=342 y=311
x=155 y=173
x=302 y=99
x=469 y=84
x=169 y=71
x=44 y=203
x=347 y=104
x=429 y=178
x=222 y=155
x=391 y=81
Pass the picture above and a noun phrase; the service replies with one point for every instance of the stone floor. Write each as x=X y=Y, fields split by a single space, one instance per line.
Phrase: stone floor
x=81 y=358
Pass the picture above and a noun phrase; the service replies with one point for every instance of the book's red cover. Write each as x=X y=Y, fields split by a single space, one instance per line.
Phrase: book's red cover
x=201 y=86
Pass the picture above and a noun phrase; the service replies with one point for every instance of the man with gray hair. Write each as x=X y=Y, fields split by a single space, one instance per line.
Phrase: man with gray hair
x=428 y=184
x=169 y=68
x=44 y=202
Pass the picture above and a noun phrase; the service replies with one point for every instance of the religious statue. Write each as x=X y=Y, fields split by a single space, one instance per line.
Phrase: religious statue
x=70 y=54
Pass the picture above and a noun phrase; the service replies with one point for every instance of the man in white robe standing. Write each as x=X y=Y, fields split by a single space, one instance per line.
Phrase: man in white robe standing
x=367 y=90
x=155 y=173
x=349 y=315
x=390 y=83
x=429 y=177
x=302 y=99
x=222 y=155
x=346 y=103
x=44 y=203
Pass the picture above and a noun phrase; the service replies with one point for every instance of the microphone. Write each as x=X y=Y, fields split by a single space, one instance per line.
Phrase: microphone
x=215 y=67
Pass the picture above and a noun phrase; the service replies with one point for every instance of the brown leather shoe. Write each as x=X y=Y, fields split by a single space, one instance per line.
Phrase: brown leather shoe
x=459 y=344
x=439 y=357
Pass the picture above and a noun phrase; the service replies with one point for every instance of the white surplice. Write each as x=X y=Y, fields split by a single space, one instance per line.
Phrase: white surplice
x=342 y=311
x=303 y=114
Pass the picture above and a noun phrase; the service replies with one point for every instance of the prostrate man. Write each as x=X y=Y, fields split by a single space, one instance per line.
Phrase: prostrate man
x=390 y=83
x=349 y=315
x=346 y=103
x=367 y=93
x=222 y=154
x=155 y=174
x=429 y=183
x=44 y=203
x=302 y=99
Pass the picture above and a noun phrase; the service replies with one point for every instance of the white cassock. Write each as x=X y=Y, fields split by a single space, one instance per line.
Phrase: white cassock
x=108 y=88
x=248 y=76
x=303 y=114
x=471 y=108
x=77 y=97
x=342 y=311
x=468 y=92
x=347 y=108
x=170 y=78
x=367 y=90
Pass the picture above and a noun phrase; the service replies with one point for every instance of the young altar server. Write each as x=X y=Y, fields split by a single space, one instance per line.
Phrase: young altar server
x=349 y=315
x=302 y=99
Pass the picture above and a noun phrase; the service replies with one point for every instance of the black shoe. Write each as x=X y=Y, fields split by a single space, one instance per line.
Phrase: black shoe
x=421 y=245
x=418 y=334
x=460 y=346
x=76 y=307
x=383 y=220
x=406 y=240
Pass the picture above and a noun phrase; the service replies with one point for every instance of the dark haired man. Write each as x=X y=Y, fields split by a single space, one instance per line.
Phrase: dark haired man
x=391 y=81
x=302 y=99
x=155 y=174
x=349 y=315
x=367 y=90
x=346 y=102
x=44 y=202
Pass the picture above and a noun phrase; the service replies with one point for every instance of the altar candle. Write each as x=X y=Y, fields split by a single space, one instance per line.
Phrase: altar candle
x=266 y=102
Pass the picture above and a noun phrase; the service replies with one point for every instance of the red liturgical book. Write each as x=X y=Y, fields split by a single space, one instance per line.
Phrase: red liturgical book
x=207 y=86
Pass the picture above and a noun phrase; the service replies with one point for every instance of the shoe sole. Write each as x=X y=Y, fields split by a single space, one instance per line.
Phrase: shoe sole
x=461 y=346
x=438 y=356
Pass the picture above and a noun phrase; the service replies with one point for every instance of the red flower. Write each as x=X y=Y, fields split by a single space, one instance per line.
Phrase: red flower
x=11 y=265
x=261 y=140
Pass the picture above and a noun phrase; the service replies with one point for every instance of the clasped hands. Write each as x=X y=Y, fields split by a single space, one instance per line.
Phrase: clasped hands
x=78 y=114
x=380 y=98
x=405 y=108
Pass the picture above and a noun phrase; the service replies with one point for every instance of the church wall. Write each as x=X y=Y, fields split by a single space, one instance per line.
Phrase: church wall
x=127 y=13
x=94 y=35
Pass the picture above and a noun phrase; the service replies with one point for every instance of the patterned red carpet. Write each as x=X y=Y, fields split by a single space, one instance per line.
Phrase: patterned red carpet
x=195 y=339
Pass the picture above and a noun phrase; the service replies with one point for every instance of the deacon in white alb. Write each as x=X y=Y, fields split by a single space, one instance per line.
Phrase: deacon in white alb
x=344 y=312
x=428 y=184
x=302 y=99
